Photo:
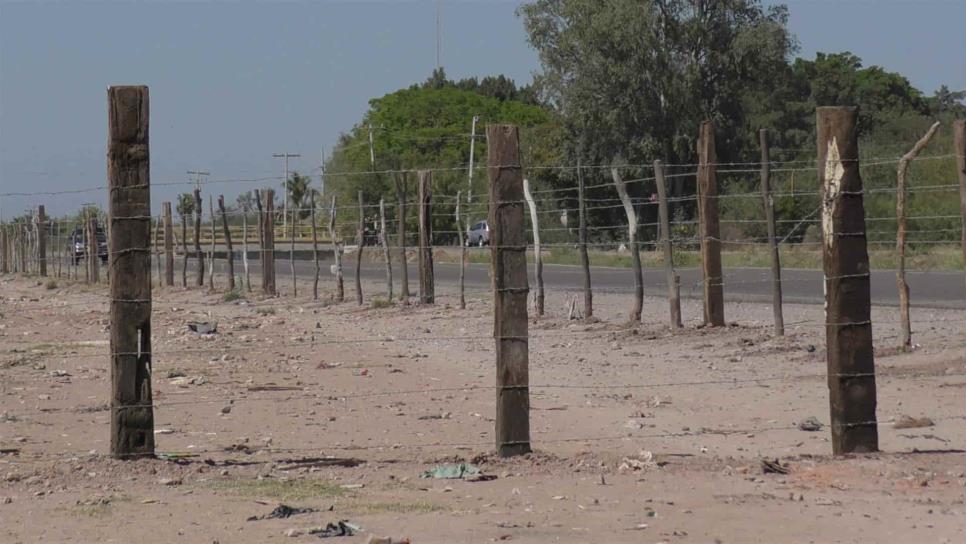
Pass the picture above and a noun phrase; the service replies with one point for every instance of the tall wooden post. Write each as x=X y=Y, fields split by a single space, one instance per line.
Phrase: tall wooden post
x=184 y=250
x=156 y=246
x=291 y=253
x=710 y=227
x=248 y=275
x=769 y=206
x=94 y=250
x=384 y=235
x=537 y=256
x=200 y=281
x=42 y=240
x=268 y=239
x=129 y=205
x=315 y=249
x=508 y=250
x=905 y=327
x=959 y=147
x=459 y=234
x=211 y=252
x=4 y=250
x=584 y=257
x=168 y=244
x=337 y=254
x=426 y=280
x=848 y=326
x=260 y=230
x=635 y=315
x=360 y=242
x=670 y=277
x=400 y=180
x=228 y=246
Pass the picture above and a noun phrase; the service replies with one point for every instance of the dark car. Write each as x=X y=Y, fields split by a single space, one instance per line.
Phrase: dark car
x=478 y=234
x=78 y=244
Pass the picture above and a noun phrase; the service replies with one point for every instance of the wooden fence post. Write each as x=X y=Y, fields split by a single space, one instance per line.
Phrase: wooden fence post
x=959 y=148
x=584 y=257
x=385 y=247
x=248 y=276
x=211 y=252
x=95 y=254
x=635 y=315
x=268 y=250
x=426 y=280
x=156 y=246
x=42 y=239
x=670 y=277
x=315 y=249
x=184 y=250
x=848 y=326
x=508 y=250
x=710 y=228
x=337 y=254
x=129 y=198
x=537 y=256
x=4 y=253
x=200 y=281
x=400 y=181
x=905 y=328
x=769 y=206
x=168 y=244
x=260 y=231
x=291 y=252
x=360 y=241
x=228 y=246
x=459 y=233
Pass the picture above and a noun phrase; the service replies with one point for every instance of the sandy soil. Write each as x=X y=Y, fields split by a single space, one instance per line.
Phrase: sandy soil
x=640 y=435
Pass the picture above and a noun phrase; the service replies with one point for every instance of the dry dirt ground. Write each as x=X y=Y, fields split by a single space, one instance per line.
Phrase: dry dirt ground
x=640 y=435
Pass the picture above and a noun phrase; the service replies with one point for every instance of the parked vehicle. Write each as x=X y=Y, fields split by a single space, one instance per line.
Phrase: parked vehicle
x=478 y=234
x=78 y=244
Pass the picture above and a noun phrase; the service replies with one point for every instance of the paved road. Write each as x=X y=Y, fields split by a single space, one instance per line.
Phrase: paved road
x=928 y=289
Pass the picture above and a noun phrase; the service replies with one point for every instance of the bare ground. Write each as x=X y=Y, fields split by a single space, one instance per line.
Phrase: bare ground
x=399 y=389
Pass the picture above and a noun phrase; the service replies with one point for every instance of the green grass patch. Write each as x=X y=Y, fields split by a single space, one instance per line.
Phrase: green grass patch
x=380 y=303
x=232 y=296
x=280 y=490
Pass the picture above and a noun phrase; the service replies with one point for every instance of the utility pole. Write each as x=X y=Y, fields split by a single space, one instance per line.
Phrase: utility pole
x=469 y=189
x=198 y=175
x=285 y=156
x=322 y=176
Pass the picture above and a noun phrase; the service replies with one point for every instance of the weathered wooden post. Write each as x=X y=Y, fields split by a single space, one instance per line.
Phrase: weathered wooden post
x=508 y=250
x=156 y=247
x=248 y=276
x=459 y=234
x=848 y=326
x=905 y=328
x=537 y=256
x=211 y=252
x=228 y=246
x=426 y=280
x=385 y=247
x=584 y=257
x=769 y=207
x=184 y=250
x=94 y=250
x=337 y=254
x=268 y=240
x=129 y=198
x=670 y=277
x=315 y=249
x=291 y=252
x=4 y=250
x=360 y=241
x=710 y=228
x=168 y=244
x=200 y=281
x=637 y=308
x=959 y=147
x=400 y=181
x=42 y=240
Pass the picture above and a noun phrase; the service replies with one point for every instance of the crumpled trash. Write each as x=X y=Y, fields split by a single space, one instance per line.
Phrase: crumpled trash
x=283 y=511
x=642 y=461
x=811 y=424
x=457 y=471
x=773 y=467
x=341 y=528
x=203 y=327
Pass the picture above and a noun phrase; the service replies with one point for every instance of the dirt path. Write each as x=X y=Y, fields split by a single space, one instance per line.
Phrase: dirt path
x=399 y=389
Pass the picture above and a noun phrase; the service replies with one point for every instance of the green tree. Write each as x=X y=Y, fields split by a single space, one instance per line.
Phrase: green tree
x=300 y=193
x=185 y=205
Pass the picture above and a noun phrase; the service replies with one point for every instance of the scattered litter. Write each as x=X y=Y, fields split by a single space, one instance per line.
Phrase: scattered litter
x=642 y=461
x=185 y=381
x=773 y=467
x=811 y=424
x=458 y=471
x=283 y=511
x=445 y=415
x=352 y=486
x=342 y=528
x=909 y=422
x=163 y=431
x=203 y=327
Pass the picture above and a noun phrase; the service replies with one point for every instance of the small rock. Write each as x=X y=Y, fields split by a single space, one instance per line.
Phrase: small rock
x=226 y=409
x=169 y=481
x=6 y=500
x=294 y=532
x=811 y=424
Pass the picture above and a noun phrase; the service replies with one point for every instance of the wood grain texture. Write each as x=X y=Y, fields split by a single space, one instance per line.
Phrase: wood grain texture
x=168 y=244
x=632 y=246
x=670 y=277
x=709 y=227
x=769 y=206
x=427 y=286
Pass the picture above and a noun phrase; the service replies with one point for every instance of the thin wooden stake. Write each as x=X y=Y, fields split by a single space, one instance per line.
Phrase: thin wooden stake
x=129 y=206
x=400 y=181
x=427 y=294
x=584 y=257
x=905 y=328
x=4 y=250
x=248 y=276
x=291 y=254
x=710 y=228
x=637 y=308
x=384 y=235
x=360 y=241
x=42 y=239
x=168 y=244
x=670 y=277
x=959 y=148
x=315 y=249
x=459 y=232
x=228 y=246
x=508 y=251
x=537 y=254
x=200 y=281
x=184 y=250
x=156 y=246
x=337 y=254
x=769 y=206
x=268 y=237
x=211 y=253
x=848 y=325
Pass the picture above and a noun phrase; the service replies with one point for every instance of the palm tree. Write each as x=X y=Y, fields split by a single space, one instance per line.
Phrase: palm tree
x=300 y=193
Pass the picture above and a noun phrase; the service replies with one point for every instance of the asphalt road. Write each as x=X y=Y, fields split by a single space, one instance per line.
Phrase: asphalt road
x=927 y=289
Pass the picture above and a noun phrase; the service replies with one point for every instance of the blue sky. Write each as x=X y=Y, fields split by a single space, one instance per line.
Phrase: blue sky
x=233 y=82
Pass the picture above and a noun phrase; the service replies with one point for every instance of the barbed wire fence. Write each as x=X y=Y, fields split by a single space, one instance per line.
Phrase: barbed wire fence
x=55 y=248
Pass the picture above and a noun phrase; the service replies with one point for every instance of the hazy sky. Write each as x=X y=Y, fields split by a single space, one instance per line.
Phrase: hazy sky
x=233 y=82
